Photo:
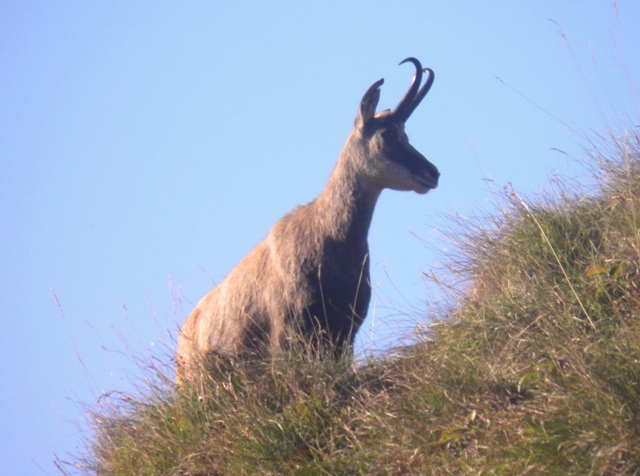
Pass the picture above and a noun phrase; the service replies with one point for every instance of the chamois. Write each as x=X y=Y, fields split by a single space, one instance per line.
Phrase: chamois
x=309 y=278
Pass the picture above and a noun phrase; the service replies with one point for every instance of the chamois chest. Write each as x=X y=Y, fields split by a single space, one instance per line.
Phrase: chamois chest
x=326 y=260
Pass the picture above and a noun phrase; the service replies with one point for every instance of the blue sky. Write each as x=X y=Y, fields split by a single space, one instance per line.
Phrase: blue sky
x=146 y=147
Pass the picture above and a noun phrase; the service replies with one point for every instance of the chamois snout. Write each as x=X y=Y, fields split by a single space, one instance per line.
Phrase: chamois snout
x=401 y=167
x=397 y=165
x=426 y=175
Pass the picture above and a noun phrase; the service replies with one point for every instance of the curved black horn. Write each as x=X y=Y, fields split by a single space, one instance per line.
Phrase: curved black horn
x=405 y=104
x=421 y=94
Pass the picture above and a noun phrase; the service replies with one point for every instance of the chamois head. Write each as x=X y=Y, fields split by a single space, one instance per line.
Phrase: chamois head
x=391 y=162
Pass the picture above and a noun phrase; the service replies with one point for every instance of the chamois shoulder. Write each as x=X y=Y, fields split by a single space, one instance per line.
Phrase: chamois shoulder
x=297 y=233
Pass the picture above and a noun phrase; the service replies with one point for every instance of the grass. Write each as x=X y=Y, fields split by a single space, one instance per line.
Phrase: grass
x=532 y=366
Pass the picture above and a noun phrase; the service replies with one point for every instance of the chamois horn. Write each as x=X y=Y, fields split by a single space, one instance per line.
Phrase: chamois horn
x=414 y=96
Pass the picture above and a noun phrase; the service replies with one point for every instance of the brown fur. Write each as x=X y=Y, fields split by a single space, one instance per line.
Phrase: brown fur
x=310 y=276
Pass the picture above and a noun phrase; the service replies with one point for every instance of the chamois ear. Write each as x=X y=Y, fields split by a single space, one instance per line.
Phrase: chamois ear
x=368 y=104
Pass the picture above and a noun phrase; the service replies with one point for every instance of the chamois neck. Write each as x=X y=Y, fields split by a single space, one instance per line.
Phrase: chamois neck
x=349 y=198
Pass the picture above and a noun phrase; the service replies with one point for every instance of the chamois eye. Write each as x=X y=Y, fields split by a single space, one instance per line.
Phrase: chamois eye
x=390 y=135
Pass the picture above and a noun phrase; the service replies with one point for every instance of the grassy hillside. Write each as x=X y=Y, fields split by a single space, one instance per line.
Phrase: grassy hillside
x=532 y=368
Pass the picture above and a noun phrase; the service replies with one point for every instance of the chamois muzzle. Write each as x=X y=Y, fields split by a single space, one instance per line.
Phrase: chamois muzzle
x=424 y=174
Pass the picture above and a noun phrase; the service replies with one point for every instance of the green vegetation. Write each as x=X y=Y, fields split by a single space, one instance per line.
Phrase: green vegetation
x=533 y=366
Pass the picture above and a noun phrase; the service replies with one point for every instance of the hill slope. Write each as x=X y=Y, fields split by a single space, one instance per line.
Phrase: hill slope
x=534 y=367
